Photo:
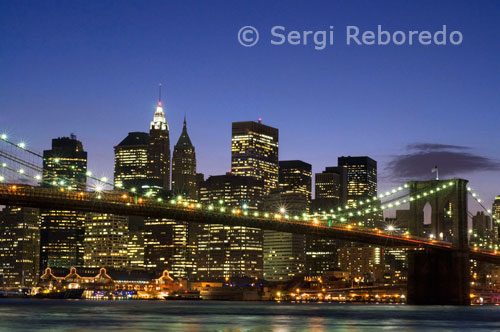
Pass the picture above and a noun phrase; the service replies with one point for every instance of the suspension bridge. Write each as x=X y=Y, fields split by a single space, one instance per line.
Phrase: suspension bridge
x=23 y=183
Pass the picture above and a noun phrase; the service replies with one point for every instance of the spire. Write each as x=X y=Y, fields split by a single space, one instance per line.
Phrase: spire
x=159 y=93
x=184 y=140
x=159 y=121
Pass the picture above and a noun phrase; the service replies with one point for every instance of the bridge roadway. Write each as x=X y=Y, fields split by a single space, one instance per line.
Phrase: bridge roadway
x=122 y=204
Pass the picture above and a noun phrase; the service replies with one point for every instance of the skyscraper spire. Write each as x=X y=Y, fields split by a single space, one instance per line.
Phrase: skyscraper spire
x=184 y=120
x=159 y=94
x=159 y=121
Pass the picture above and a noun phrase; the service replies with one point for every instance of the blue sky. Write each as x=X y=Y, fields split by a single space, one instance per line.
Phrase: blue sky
x=92 y=68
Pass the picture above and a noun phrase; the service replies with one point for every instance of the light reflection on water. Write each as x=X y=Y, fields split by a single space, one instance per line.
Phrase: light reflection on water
x=205 y=316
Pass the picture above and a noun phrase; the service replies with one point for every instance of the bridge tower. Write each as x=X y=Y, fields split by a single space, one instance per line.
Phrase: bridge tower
x=440 y=276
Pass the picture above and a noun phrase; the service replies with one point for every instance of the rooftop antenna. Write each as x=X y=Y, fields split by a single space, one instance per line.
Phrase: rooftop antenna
x=159 y=88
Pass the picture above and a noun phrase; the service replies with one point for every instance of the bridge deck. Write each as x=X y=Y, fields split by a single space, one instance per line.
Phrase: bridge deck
x=51 y=198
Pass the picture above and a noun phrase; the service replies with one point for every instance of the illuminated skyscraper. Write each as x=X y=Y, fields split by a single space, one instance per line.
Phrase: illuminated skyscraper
x=330 y=188
x=19 y=246
x=62 y=231
x=131 y=161
x=254 y=152
x=106 y=241
x=159 y=150
x=284 y=255
x=169 y=245
x=229 y=251
x=295 y=178
x=184 y=166
x=361 y=177
x=495 y=211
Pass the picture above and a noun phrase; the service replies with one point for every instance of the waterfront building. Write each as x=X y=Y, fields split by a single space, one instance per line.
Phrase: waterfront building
x=170 y=245
x=284 y=253
x=106 y=241
x=19 y=246
x=62 y=231
x=229 y=251
x=366 y=264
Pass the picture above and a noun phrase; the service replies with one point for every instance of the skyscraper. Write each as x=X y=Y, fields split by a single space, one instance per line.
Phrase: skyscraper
x=295 y=178
x=495 y=209
x=229 y=251
x=330 y=188
x=169 y=245
x=62 y=231
x=19 y=246
x=159 y=150
x=284 y=253
x=106 y=241
x=361 y=177
x=254 y=152
x=184 y=166
x=131 y=162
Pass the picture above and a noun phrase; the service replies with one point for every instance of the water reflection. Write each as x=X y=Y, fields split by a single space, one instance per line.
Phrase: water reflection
x=203 y=316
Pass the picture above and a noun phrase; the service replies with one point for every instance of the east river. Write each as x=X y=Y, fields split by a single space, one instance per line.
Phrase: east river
x=207 y=316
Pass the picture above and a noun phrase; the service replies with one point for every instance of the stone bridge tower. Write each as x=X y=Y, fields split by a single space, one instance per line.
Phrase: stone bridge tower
x=438 y=276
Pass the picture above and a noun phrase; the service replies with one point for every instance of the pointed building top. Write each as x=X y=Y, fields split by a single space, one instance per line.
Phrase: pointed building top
x=184 y=140
x=159 y=121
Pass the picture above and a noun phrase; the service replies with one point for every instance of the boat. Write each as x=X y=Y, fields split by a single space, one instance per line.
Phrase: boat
x=66 y=294
x=183 y=295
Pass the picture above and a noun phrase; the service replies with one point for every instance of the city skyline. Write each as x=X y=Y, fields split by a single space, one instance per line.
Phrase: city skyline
x=394 y=104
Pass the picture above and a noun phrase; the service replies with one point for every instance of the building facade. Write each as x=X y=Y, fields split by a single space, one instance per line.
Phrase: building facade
x=131 y=162
x=62 y=231
x=254 y=152
x=284 y=253
x=361 y=177
x=229 y=251
x=158 y=171
x=184 y=166
x=330 y=188
x=19 y=246
x=106 y=241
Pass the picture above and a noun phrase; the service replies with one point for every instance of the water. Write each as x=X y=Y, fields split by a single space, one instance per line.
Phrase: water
x=206 y=316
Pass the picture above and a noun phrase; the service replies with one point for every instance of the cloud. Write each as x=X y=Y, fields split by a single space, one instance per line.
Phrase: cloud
x=451 y=160
x=435 y=147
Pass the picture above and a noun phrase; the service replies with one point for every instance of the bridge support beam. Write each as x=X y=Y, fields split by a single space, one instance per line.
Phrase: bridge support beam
x=438 y=277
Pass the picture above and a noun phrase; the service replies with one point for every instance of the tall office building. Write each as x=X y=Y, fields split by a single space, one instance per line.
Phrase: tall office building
x=170 y=245
x=184 y=166
x=106 y=241
x=284 y=253
x=19 y=246
x=295 y=177
x=254 y=152
x=131 y=162
x=366 y=263
x=330 y=188
x=361 y=177
x=229 y=251
x=159 y=150
x=62 y=231
x=495 y=209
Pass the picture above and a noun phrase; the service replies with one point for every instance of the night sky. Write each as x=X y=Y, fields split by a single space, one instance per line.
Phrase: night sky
x=92 y=68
